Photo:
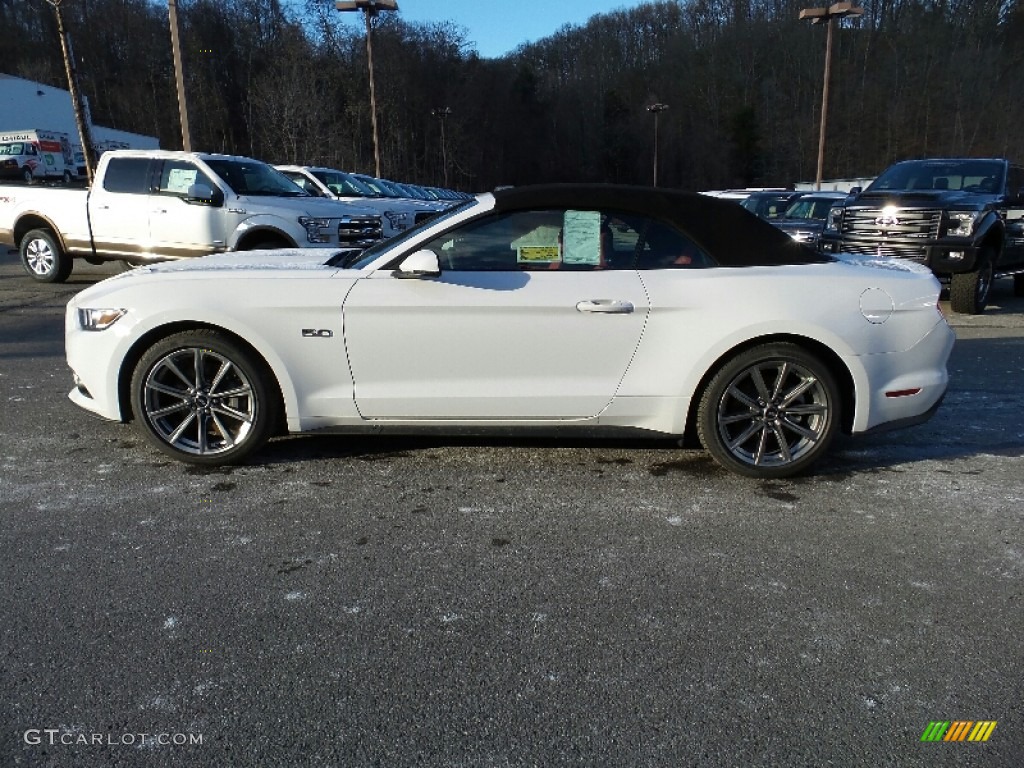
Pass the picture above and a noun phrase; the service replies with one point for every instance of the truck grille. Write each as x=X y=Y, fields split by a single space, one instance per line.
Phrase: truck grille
x=903 y=223
x=359 y=231
x=884 y=249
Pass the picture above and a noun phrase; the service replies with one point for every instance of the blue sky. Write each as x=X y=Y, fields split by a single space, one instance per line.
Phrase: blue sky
x=499 y=26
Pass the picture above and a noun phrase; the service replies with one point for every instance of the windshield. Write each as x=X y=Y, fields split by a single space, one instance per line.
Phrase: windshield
x=339 y=183
x=253 y=178
x=12 y=149
x=966 y=175
x=810 y=208
x=362 y=259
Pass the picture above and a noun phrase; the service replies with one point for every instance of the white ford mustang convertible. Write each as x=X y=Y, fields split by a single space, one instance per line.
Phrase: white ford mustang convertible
x=559 y=309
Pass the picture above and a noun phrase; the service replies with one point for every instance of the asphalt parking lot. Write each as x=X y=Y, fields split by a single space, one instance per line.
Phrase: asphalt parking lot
x=400 y=602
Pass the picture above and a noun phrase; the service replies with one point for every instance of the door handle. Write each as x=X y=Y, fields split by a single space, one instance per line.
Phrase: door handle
x=605 y=306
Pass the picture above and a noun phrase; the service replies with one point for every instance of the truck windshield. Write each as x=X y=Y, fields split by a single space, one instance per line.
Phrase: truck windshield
x=340 y=183
x=11 y=149
x=966 y=175
x=253 y=178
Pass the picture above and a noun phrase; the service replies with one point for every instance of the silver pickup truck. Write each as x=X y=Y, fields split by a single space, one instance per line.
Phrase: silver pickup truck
x=155 y=205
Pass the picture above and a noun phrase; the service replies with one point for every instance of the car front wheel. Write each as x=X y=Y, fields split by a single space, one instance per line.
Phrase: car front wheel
x=769 y=412
x=203 y=398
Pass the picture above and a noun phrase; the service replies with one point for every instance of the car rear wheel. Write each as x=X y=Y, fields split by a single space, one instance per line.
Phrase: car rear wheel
x=968 y=291
x=43 y=258
x=769 y=412
x=203 y=398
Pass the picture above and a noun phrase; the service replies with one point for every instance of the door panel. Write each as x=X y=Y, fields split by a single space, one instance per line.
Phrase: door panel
x=492 y=345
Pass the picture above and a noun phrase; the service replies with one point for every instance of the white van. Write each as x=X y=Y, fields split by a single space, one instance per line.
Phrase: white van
x=36 y=155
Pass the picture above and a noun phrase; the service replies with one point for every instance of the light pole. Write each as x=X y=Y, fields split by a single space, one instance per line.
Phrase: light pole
x=656 y=110
x=818 y=15
x=442 y=114
x=370 y=8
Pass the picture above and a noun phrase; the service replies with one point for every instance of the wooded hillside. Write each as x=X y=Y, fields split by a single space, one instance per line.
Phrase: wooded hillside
x=742 y=78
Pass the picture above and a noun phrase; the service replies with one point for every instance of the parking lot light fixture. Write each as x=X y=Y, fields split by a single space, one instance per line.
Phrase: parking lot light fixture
x=370 y=9
x=828 y=15
x=656 y=109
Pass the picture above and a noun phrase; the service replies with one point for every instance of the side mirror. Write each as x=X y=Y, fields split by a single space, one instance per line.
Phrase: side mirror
x=854 y=191
x=418 y=265
x=203 y=194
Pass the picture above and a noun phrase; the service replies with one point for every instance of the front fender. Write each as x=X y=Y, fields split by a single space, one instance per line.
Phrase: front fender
x=267 y=226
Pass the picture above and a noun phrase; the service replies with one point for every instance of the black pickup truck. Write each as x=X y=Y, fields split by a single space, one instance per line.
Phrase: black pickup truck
x=962 y=217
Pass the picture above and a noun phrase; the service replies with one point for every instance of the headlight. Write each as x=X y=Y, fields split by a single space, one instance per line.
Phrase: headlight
x=99 y=319
x=835 y=215
x=961 y=223
x=317 y=230
x=399 y=220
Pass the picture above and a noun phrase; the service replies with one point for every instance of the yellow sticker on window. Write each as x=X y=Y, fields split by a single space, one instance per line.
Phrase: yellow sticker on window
x=537 y=254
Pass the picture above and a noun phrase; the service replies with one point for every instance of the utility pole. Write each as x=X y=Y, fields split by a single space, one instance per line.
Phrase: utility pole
x=179 y=76
x=84 y=129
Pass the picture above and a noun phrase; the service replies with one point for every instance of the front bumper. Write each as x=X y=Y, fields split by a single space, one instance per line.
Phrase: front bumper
x=942 y=258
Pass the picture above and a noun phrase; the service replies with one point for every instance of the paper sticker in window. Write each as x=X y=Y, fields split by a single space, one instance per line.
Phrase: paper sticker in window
x=581 y=237
x=180 y=179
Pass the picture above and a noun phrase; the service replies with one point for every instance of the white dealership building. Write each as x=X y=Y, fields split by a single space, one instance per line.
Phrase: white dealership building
x=27 y=105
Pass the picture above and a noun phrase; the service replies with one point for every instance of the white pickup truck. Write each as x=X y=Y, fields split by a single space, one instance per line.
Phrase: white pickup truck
x=154 y=205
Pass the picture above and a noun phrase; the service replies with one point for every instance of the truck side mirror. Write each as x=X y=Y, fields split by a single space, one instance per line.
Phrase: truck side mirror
x=854 y=191
x=204 y=195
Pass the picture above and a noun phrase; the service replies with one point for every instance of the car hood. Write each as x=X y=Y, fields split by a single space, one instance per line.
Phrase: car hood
x=286 y=259
x=925 y=197
x=309 y=206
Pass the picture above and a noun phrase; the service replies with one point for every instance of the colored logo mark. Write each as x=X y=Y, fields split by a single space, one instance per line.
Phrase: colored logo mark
x=958 y=730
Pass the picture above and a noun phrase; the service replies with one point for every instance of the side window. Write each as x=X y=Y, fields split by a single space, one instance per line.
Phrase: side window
x=176 y=176
x=665 y=247
x=536 y=240
x=1016 y=183
x=127 y=174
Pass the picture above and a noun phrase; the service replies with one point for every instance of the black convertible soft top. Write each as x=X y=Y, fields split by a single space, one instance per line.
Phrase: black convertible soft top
x=730 y=234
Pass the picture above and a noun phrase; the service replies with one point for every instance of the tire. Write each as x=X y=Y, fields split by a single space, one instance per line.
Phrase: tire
x=1018 y=285
x=969 y=291
x=204 y=399
x=267 y=245
x=769 y=412
x=26 y=175
x=43 y=258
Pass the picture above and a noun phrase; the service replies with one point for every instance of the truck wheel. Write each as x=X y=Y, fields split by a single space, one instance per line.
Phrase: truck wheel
x=43 y=258
x=203 y=398
x=26 y=175
x=769 y=412
x=968 y=291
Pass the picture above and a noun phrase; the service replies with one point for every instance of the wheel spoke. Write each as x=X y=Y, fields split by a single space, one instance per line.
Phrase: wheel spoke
x=224 y=433
x=743 y=397
x=798 y=390
x=173 y=368
x=165 y=390
x=762 y=388
x=780 y=438
x=197 y=362
x=747 y=434
x=242 y=391
x=161 y=412
x=177 y=433
x=780 y=380
x=800 y=429
x=807 y=409
x=761 y=445
x=233 y=413
x=225 y=366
